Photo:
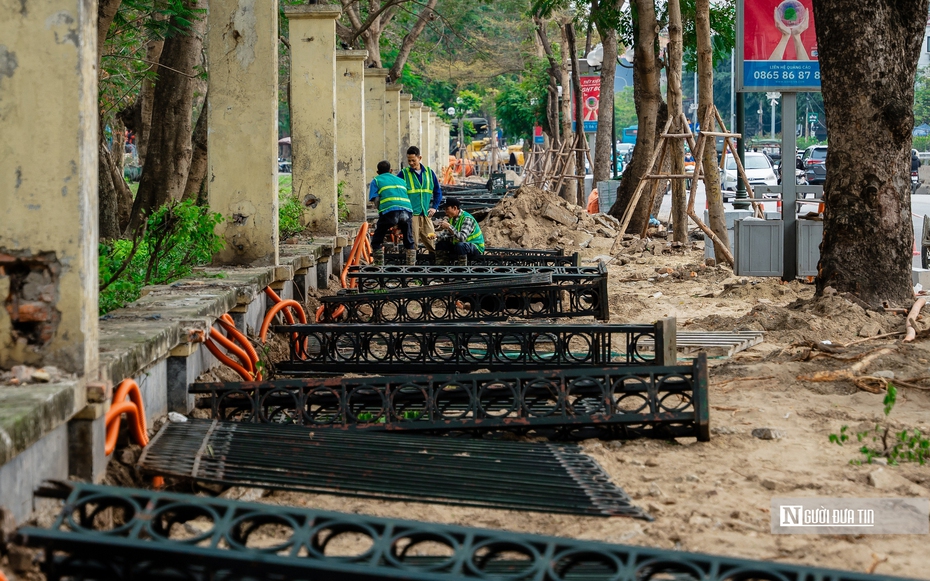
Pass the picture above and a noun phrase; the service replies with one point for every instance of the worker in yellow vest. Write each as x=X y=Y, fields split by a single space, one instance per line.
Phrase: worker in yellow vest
x=393 y=210
x=425 y=194
x=460 y=235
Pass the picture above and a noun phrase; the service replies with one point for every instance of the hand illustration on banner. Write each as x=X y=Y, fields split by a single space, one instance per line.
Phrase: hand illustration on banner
x=792 y=20
x=590 y=109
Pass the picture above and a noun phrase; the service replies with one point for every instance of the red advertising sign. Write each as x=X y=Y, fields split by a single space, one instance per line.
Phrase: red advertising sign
x=778 y=48
x=591 y=94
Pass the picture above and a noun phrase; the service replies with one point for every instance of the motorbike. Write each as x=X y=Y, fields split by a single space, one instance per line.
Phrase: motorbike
x=915 y=182
x=799 y=176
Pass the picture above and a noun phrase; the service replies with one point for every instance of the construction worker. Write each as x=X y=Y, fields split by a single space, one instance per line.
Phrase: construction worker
x=393 y=210
x=460 y=235
x=425 y=194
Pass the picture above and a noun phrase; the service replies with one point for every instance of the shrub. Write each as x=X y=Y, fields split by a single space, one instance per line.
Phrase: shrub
x=177 y=237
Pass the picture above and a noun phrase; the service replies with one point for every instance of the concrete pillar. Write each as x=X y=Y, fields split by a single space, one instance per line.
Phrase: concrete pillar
x=48 y=184
x=392 y=124
x=426 y=137
x=242 y=157
x=405 y=99
x=434 y=143
x=444 y=146
x=416 y=129
x=350 y=130
x=374 y=119
x=313 y=113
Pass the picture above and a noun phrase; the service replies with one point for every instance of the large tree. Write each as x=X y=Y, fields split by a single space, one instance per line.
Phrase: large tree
x=868 y=59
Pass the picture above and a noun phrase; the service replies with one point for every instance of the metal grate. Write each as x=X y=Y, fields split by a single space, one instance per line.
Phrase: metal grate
x=446 y=347
x=461 y=471
x=169 y=536
x=524 y=296
x=372 y=278
x=619 y=402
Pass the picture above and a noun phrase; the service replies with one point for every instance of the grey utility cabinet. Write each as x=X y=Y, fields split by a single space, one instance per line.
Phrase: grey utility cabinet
x=731 y=216
x=759 y=247
x=810 y=234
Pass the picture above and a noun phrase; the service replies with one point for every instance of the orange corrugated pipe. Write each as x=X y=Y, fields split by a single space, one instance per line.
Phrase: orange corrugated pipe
x=358 y=251
x=234 y=349
x=225 y=360
x=227 y=322
x=133 y=408
x=278 y=307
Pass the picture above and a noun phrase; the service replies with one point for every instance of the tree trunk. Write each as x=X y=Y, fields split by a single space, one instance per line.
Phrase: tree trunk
x=198 y=167
x=579 y=141
x=675 y=58
x=168 y=159
x=647 y=96
x=146 y=98
x=868 y=64
x=106 y=12
x=118 y=148
x=603 y=149
x=705 y=63
x=552 y=88
x=565 y=81
x=108 y=209
x=427 y=13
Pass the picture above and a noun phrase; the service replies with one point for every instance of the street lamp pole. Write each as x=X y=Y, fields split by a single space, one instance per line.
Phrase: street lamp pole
x=741 y=199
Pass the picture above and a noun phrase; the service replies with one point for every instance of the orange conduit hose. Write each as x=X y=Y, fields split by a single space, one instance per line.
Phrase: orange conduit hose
x=336 y=314
x=361 y=248
x=227 y=323
x=133 y=408
x=274 y=311
x=234 y=349
x=225 y=360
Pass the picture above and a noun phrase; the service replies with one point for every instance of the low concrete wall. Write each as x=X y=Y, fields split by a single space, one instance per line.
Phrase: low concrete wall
x=153 y=341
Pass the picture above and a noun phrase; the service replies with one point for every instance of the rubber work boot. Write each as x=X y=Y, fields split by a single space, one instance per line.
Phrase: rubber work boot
x=378 y=257
x=412 y=257
x=442 y=258
x=461 y=261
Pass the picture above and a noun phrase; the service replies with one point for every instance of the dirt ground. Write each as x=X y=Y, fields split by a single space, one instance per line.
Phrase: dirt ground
x=714 y=497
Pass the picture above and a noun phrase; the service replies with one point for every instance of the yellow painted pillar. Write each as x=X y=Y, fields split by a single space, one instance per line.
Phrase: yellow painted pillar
x=48 y=185
x=313 y=113
x=350 y=130
x=242 y=155
x=435 y=150
x=374 y=118
x=426 y=139
x=405 y=99
x=392 y=124
x=416 y=130
x=444 y=146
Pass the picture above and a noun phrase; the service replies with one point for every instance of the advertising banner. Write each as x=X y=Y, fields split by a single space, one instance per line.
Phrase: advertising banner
x=776 y=46
x=590 y=94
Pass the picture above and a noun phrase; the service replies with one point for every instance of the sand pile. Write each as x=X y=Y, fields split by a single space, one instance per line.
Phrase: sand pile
x=533 y=218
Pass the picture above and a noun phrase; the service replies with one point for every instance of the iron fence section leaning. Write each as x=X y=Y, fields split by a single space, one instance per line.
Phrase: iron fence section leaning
x=479 y=301
x=447 y=347
x=491 y=258
x=624 y=402
x=83 y=543
x=371 y=278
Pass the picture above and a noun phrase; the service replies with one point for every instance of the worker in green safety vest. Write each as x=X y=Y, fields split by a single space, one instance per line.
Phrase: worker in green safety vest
x=425 y=194
x=393 y=210
x=460 y=235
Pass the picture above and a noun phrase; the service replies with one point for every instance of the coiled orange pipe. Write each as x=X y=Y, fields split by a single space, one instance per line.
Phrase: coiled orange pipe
x=132 y=408
x=290 y=319
x=225 y=360
x=227 y=323
x=231 y=347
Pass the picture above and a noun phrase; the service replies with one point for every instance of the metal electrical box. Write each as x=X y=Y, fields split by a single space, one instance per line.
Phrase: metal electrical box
x=607 y=194
x=759 y=247
x=731 y=216
x=810 y=234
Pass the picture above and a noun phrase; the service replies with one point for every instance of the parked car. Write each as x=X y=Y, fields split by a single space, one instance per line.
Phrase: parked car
x=759 y=171
x=814 y=163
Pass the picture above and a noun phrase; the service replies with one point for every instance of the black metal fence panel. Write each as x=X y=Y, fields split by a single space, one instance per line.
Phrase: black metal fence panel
x=523 y=296
x=452 y=348
x=169 y=536
x=616 y=402
x=372 y=278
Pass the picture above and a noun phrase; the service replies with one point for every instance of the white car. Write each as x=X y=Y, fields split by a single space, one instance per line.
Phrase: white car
x=759 y=171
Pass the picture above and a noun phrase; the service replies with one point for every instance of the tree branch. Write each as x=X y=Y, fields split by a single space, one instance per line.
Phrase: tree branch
x=411 y=37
